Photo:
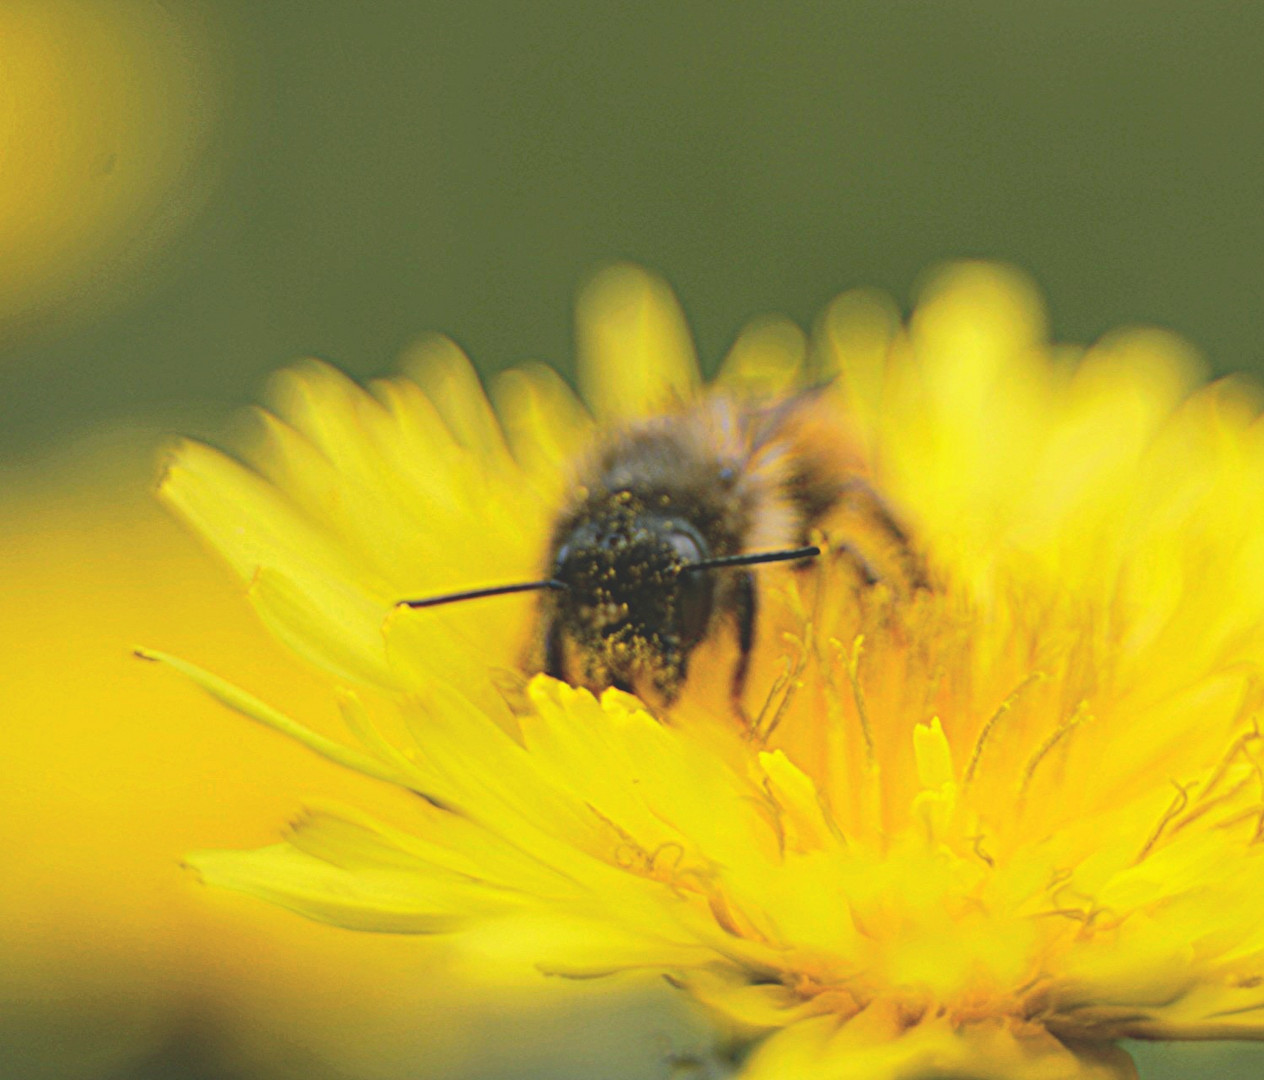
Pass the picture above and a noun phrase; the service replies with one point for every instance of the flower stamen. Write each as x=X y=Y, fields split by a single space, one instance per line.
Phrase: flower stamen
x=977 y=753
x=1177 y=807
x=788 y=684
x=1029 y=772
x=858 y=694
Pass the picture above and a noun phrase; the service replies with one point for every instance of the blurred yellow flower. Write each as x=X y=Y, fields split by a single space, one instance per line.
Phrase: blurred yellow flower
x=105 y=106
x=986 y=829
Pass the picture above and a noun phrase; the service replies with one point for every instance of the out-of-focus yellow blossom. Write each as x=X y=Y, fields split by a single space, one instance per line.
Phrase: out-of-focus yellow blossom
x=105 y=106
x=986 y=829
x=114 y=962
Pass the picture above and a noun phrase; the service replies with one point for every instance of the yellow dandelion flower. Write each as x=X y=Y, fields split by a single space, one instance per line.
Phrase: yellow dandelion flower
x=985 y=826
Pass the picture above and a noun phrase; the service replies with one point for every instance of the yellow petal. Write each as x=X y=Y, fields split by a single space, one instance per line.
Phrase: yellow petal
x=545 y=424
x=635 y=353
x=766 y=359
x=327 y=623
x=387 y=896
x=251 y=706
x=934 y=758
x=246 y=520
x=450 y=381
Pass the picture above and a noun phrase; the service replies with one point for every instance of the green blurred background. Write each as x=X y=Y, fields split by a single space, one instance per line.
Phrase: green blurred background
x=347 y=176
x=377 y=170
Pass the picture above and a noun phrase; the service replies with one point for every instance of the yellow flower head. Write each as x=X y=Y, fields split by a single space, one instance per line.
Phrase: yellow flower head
x=985 y=825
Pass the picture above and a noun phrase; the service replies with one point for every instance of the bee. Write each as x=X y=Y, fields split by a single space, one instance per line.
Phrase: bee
x=656 y=549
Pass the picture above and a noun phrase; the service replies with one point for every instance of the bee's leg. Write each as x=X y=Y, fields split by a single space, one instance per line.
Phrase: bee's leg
x=845 y=549
x=744 y=607
x=554 y=652
x=862 y=496
x=858 y=490
x=868 y=575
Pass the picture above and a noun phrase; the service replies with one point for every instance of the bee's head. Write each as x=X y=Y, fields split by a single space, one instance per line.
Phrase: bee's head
x=633 y=591
x=631 y=599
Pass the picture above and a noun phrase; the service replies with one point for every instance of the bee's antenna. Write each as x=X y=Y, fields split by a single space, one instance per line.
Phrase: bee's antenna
x=809 y=552
x=476 y=594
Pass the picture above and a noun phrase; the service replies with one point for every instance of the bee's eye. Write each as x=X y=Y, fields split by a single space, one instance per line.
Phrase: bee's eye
x=693 y=590
x=689 y=550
